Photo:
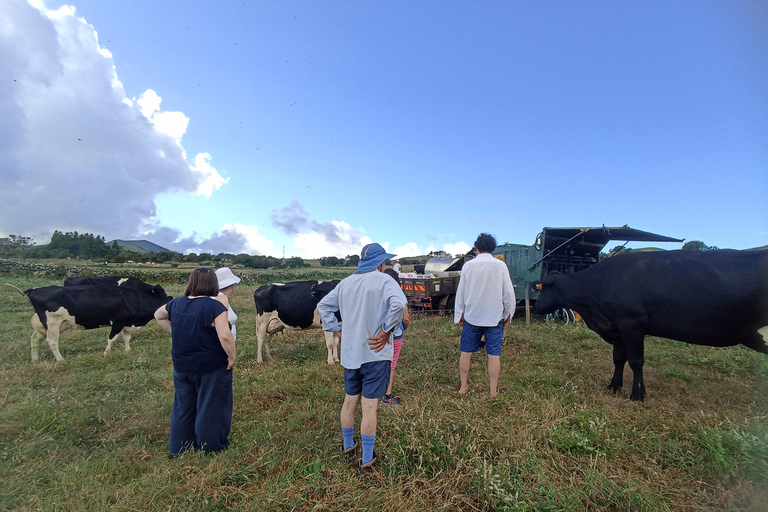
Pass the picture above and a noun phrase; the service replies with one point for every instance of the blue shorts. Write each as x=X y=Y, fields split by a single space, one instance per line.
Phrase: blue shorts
x=472 y=334
x=371 y=379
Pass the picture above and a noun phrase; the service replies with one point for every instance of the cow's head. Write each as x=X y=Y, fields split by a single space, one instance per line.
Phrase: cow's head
x=158 y=292
x=547 y=302
x=323 y=288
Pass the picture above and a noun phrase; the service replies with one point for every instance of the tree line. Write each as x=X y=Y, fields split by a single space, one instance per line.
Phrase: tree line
x=87 y=246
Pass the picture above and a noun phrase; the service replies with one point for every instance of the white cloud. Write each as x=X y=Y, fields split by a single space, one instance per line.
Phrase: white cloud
x=409 y=249
x=345 y=241
x=210 y=179
x=77 y=154
x=257 y=244
x=457 y=249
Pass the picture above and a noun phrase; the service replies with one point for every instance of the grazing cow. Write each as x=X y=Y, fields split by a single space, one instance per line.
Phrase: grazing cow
x=294 y=306
x=717 y=298
x=126 y=282
x=59 y=308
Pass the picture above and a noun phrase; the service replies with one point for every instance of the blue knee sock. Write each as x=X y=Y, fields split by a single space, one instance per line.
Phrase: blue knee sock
x=368 y=442
x=349 y=436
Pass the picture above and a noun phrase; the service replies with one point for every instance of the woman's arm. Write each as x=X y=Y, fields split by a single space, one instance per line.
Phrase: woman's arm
x=225 y=338
x=406 y=318
x=223 y=299
x=161 y=315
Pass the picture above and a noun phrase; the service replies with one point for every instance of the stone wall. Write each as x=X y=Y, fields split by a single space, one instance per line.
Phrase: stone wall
x=150 y=275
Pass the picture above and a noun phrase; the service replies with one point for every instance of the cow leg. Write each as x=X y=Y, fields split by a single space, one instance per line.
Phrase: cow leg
x=267 y=339
x=127 y=333
x=261 y=333
x=109 y=343
x=38 y=334
x=52 y=337
x=332 y=344
x=635 y=345
x=619 y=359
x=758 y=341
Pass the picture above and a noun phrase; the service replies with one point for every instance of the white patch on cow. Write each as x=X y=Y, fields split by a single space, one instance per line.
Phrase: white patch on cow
x=121 y=281
x=127 y=332
x=58 y=321
x=763 y=331
x=268 y=324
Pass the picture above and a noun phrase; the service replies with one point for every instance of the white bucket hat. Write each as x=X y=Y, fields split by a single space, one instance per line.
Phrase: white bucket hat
x=226 y=277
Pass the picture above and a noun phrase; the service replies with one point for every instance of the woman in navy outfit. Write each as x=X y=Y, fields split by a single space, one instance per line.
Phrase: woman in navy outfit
x=203 y=352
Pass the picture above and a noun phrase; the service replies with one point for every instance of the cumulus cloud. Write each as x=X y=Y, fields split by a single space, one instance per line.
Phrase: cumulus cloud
x=409 y=249
x=233 y=238
x=77 y=154
x=457 y=249
x=412 y=249
x=316 y=239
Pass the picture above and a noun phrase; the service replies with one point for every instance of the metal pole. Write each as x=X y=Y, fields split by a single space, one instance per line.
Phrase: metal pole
x=527 y=304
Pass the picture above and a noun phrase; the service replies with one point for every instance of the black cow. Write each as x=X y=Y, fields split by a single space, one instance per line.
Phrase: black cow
x=126 y=282
x=717 y=298
x=294 y=306
x=59 y=308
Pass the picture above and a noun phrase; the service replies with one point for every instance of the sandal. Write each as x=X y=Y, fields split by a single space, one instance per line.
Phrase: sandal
x=368 y=466
x=351 y=450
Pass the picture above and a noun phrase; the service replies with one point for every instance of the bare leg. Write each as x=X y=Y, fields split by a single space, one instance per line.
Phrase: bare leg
x=391 y=380
x=464 y=364
x=370 y=416
x=348 y=410
x=494 y=367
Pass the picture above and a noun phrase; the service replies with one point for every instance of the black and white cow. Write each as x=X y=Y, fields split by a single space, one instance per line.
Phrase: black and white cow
x=294 y=306
x=717 y=298
x=59 y=308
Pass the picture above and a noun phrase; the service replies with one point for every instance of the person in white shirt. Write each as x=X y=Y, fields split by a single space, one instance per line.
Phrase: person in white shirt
x=371 y=305
x=485 y=303
x=227 y=281
x=397 y=267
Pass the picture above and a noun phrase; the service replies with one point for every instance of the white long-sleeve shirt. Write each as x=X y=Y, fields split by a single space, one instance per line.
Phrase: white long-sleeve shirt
x=368 y=303
x=485 y=295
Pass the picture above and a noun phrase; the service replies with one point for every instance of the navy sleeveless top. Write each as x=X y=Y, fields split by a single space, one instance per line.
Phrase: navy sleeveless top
x=195 y=346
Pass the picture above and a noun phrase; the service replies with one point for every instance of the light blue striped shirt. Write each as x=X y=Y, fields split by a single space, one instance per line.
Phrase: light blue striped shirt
x=368 y=303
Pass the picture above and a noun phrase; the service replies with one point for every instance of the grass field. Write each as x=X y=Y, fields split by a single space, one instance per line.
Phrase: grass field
x=91 y=433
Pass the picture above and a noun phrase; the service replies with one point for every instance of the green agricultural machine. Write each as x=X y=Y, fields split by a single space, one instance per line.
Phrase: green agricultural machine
x=563 y=250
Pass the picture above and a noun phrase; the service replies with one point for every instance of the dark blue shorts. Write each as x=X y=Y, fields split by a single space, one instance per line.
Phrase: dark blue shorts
x=472 y=334
x=371 y=379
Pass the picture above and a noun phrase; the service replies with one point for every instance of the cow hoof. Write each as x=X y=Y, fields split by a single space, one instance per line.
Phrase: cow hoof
x=613 y=389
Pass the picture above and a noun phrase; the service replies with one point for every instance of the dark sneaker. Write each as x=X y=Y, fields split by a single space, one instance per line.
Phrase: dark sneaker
x=390 y=400
x=351 y=450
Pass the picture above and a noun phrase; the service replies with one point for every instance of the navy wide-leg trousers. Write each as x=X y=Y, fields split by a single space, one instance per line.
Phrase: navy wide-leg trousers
x=202 y=411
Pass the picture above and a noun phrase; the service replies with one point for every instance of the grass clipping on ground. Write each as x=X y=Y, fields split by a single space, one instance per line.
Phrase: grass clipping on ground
x=91 y=432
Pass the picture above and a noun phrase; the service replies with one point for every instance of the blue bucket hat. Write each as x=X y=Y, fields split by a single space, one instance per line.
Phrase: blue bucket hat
x=371 y=257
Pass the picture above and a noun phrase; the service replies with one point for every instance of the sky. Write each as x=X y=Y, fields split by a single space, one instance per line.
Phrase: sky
x=306 y=128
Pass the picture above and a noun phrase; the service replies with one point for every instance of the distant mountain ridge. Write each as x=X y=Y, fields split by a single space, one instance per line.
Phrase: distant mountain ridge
x=139 y=246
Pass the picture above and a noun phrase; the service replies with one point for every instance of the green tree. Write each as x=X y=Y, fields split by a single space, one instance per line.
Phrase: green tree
x=697 y=245
x=331 y=261
x=21 y=245
x=296 y=262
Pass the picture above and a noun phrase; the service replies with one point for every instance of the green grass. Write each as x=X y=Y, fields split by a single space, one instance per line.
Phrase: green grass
x=91 y=433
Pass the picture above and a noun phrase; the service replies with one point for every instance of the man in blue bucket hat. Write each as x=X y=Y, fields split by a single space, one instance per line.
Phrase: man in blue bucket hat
x=371 y=305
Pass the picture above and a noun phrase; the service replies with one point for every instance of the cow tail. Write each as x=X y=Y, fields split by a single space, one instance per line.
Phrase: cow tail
x=15 y=288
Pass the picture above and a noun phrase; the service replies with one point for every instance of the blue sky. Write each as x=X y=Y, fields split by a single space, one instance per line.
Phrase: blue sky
x=311 y=128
